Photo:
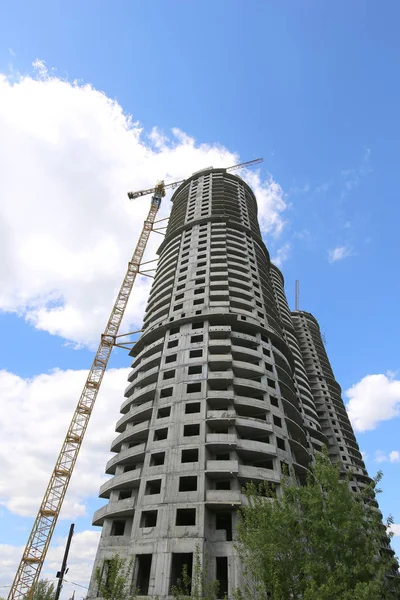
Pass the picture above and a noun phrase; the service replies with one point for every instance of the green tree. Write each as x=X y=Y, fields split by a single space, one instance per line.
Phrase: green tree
x=44 y=590
x=319 y=541
x=114 y=580
x=198 y=587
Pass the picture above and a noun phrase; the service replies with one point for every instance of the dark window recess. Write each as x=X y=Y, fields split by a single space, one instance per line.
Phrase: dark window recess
x=148 y=518
x=196 y=353
x=164 y=411
x=198 y=312
x=185 y=516
x=170 y=358
x=266 y=352
x=196 y=338
x=192 y=407
x=201 y=264
x=181 y=562
x=223 y=520
x=118 y=527
x=271 y=383
x=172 y=344
x=160 y=434
x=280 y=443
x=153 y=487
x=222 y=456
x=192 y=429
x=129 y=468
x=274 y=401
x=277 y=421
x=143 y=573
x=198 y=325
x=190 y=455
x=198 y=301
x=200 y=281
x=195 y=370
x=124 y=494
x=166 y=392
x=223 y=484
x=179 y=297
x=200 y=273
x=157 y=459
x=174 y=330
x=192 y=388
x=169 y=374
x=222 y=575
x=264 y=464
x=188 y=484
x=269 y=367
x=178 y=306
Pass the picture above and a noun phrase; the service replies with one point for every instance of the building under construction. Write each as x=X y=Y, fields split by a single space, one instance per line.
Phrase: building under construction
x=227 y=386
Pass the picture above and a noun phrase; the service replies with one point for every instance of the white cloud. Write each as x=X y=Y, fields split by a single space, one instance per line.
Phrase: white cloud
x=380 y=457
x=393 y=456
x=323 y=187
x=374 y=399
x=38 y=413
x=395 y=528
x=80 y=562
x=282 y=254
x=68 y=156
x=338 y=253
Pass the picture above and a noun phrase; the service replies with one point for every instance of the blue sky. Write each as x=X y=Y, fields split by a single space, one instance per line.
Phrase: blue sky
x=310 y=86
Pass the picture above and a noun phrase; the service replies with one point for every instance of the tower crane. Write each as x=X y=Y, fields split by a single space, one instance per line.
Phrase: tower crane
x=39 y=540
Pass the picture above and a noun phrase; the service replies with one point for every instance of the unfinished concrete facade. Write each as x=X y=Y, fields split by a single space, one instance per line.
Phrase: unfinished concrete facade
x=219 y=394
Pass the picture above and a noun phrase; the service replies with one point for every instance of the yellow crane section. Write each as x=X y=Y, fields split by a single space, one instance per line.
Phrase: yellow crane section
x=39 y=539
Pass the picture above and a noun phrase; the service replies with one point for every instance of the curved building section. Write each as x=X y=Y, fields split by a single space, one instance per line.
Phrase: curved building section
x=227 y=386
x=335 y=423
x=210 y=403
x=315 y=436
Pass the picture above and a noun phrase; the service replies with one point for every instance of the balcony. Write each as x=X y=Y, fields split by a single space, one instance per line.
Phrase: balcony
x=125 y=457
x=219 y=441
x=219 y=362
x=145 y=393
x=132 y=433
x=221 y=417
x=128 y=480
x=255 y=448
x=299 y=452
x=222 y=498
x=137 y=413
x=116 y=510
x=218 y=468
x=251 y=425
x=257 y=474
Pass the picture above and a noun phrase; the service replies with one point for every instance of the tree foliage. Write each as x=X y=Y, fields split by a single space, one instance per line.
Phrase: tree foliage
x=198 y=587
x=319 y=541
x=114 y=580
x=44 y=590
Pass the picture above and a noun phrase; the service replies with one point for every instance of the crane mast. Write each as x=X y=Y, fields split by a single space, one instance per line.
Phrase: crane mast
x=38 y=543
x=36 y=548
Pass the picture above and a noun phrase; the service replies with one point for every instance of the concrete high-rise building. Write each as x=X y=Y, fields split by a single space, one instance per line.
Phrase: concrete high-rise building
x=227 y=386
